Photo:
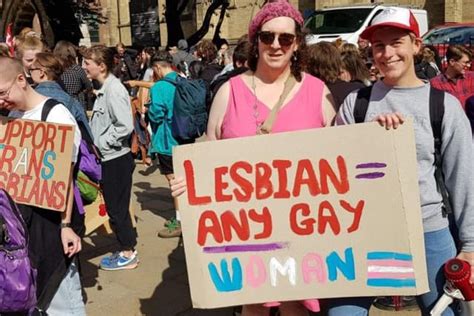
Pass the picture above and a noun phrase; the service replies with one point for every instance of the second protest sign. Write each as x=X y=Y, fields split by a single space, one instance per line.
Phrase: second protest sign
x=35 y=162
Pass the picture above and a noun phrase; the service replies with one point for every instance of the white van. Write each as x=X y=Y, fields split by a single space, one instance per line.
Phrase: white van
x=348 y=22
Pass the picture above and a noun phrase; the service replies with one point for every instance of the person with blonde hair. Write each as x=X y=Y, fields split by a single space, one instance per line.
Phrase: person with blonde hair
x=26 y=51
x=52 y=239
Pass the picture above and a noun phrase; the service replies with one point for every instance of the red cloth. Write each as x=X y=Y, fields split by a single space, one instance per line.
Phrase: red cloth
x=9 y=39
x=462 y=88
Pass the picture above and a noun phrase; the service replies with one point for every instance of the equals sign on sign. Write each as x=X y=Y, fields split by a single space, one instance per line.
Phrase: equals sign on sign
x=371 y=175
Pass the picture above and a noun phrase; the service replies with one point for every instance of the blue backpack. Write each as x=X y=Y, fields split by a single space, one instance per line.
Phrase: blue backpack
x=17 y=275
x=189 y=120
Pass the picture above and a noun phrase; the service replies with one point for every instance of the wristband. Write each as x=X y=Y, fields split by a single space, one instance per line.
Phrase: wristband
x=65 y=225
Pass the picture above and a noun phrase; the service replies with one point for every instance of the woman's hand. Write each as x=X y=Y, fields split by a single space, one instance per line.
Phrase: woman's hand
x=390 y=120
x=177 y=186
x=71 y=242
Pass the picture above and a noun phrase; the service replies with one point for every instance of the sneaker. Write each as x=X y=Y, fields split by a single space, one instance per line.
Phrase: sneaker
x=396 y=303
x=117 y=261
x=172 y=229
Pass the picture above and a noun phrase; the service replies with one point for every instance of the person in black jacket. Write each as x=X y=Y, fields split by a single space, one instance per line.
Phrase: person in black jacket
x=207 y=52
x=126 y=68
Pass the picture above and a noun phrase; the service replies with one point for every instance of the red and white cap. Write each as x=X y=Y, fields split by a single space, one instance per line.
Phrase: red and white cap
x=401 y=18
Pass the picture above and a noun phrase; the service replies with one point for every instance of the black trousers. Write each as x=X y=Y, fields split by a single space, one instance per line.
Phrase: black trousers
x=117 y=188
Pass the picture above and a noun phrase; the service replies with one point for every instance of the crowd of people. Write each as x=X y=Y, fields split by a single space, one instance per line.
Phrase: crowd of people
x=269 y=71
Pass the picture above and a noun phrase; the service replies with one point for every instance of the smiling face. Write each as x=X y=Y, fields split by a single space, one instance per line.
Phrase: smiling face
x=12 y=92
x=393 y=52
x=92 y=69
x=275 y=55
x=28 y=58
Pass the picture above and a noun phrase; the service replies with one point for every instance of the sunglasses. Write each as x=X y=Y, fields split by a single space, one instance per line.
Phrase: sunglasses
x=284 y=39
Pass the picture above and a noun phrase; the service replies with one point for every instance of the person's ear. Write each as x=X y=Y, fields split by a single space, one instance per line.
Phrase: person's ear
x=21 y=80
x=417 y=45
x=103 y=68
x=43 y=74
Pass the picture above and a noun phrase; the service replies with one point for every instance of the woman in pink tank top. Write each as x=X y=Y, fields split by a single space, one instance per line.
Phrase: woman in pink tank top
x=243 y=103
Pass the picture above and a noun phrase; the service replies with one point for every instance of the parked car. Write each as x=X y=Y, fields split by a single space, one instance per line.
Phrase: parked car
x=448 y=34
x=348 y=22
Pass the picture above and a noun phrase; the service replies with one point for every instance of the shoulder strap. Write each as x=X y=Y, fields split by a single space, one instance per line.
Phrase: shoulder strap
x=436 y=119
x=436 y=112
x=266 y=128
x=47 y=107
x=362 y=104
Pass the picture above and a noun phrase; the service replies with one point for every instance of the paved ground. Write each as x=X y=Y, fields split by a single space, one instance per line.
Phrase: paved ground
x=159 y=286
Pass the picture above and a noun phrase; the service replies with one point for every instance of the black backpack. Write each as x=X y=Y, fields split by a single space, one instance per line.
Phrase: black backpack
x=436 y=103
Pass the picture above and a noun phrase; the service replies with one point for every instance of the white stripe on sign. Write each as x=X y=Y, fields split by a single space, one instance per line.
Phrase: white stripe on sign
x=388 y=269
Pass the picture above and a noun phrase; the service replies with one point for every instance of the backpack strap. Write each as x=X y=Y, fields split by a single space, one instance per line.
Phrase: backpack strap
x=362 y=104
x=47 y=107
x=436 y=119
x=173 y=82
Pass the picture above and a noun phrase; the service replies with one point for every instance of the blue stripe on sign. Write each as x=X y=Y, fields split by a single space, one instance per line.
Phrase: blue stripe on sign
x=380 y=255
x=391 y=283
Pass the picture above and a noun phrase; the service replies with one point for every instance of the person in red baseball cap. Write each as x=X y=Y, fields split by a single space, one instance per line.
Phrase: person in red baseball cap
x=394 y=36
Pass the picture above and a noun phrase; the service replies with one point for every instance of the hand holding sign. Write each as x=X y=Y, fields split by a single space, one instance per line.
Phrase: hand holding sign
x=314 y=218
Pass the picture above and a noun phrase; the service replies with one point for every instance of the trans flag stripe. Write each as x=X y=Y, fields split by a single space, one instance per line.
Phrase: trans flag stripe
x=390 y=269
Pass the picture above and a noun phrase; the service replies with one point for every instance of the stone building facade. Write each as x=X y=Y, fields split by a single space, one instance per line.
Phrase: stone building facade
x=240 y=13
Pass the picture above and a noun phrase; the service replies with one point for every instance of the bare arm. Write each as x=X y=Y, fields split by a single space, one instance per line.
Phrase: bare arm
x=329 y=108
x=218 y=110
x=71 y=242
x=140 y=84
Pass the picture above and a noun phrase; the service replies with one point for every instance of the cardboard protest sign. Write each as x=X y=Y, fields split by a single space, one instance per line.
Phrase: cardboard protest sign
x=35 y=161
x=333 y=212
x=95 y=214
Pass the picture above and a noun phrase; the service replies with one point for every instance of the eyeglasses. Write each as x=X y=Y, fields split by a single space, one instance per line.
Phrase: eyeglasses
x=284 y=39
x=4 y=94
x=464 y=63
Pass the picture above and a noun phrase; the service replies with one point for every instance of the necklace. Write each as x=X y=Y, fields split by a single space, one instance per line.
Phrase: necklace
x=265 y=127
x=255 y=106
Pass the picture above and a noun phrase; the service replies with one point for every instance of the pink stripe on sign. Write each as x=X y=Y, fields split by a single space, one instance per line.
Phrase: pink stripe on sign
x=390 y=275
x=390 y=263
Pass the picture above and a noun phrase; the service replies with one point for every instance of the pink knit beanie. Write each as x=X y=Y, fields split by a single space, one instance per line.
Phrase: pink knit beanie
x=273 y=10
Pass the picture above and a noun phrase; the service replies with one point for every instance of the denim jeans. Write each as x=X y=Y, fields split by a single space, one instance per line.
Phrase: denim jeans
x=439 y=247
x=68 y=298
